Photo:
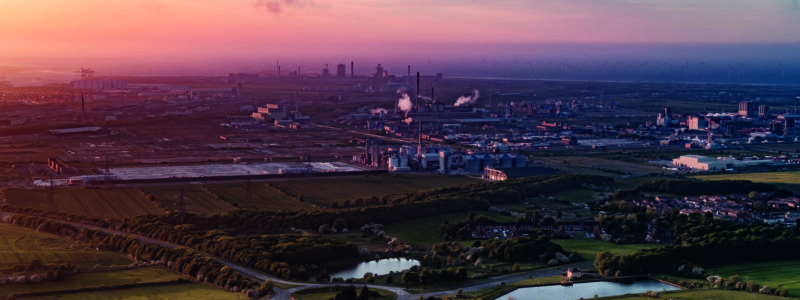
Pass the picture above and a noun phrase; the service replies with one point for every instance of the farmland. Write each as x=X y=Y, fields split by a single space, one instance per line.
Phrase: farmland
x=193 y=291
x=196 y=200
x=777 y=274
x=787 y=180
x=426 y=231
x=589 y=248
x=324 y=191
x=21 y=246
x=117 y=203
x=95 y=279
x=261 y=196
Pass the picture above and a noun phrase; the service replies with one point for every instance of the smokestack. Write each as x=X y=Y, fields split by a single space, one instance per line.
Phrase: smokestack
x=278 y=64
x=408 y=81
x=352 y=70
x=239 y=90
x=83 y=110
x=433 y=95
x=417 y=92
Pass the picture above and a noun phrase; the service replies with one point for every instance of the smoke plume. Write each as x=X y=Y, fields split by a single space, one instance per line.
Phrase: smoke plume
x=468 y=100
x=376 y=111
x=404 y=103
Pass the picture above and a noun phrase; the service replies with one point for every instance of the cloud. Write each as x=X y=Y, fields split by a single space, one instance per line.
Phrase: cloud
x=277 y=6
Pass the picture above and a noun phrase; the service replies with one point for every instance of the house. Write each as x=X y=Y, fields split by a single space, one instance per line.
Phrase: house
x=574 y=273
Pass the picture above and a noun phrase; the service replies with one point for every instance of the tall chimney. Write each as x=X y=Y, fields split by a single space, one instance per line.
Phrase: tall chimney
x=83 y=110
x=433 y=95
x=352 y=70
x=416 y=98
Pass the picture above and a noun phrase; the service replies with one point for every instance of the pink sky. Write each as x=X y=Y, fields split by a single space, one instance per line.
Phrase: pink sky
x=173 y=30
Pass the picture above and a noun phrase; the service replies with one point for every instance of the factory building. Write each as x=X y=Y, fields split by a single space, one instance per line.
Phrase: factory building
x=341 y=71
x=500 y=174
x=747 y=109
x=699 y=162
x=270 y=112
x=98 y=84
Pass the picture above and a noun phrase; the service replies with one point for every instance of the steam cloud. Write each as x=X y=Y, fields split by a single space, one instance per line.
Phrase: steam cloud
x=468 y=100
x=404 y=103
x=376 y=111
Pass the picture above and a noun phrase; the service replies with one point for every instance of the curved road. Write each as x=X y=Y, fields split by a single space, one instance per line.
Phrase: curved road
x=283 y=294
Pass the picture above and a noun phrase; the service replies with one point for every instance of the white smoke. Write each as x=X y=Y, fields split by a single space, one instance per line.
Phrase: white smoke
x=404 y=103
x=468 y=100
x=377 y=111
x=408 y=121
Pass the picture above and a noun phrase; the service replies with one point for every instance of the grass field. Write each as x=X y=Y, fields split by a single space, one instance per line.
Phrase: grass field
x=589 y=248
x=193 y=291
x=262 y=196
x=22 y=245
x=777 y=274
x=323 y=191
x=196 y=200
x=95 y=279
x=787 y=180
x=705 y=295
x=426 y=230
x=94 y=202
x=328 y=293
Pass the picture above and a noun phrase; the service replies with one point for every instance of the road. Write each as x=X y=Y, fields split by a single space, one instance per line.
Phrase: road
x=283 y=294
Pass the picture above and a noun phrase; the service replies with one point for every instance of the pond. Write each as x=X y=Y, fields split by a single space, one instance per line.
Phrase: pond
x=587 y=290
x=381 y=266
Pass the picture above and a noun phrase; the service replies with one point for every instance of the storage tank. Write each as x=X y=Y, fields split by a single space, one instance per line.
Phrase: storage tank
x=404 y=161
x=506 y=161
x=520 y=161
x=394 y=162
x=444 y=162
x=487 y=161
x=473 y=164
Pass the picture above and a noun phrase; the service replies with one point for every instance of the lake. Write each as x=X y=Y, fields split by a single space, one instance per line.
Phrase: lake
x=381 y=266
x=587 y=290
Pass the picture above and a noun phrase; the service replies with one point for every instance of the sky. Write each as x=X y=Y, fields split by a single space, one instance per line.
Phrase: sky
x=239 y=32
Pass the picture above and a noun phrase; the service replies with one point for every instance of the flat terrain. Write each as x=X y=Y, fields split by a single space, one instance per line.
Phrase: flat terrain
x=195 y=200
x=425 y=231
x=95 y=279
x=777 y=274
x=324 y=191
x=328 y=293
x=588 y=248
x=22 y=245
x=261 y=197
x=788 y=180
x=705 y=295
x=94 y=202
x=193 y=291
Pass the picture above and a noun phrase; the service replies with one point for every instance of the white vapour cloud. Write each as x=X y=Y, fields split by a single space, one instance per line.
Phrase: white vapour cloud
x=468 y=100
x=404 y=103
x=376 y=111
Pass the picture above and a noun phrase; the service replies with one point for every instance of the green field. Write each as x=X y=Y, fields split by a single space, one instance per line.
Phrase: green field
x=261 y=196
x=95 y=279
x=426 y=230
x=589 y=248
x=94 y=202
x=777 y=274
x=195 y=200
x=324 y=191
x=328 y=293
x=193 y=291
x=22 y=245
x=705 y=295
x=787 y=180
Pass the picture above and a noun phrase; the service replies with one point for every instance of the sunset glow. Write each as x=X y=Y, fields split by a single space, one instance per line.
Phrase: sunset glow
x=161 y=30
